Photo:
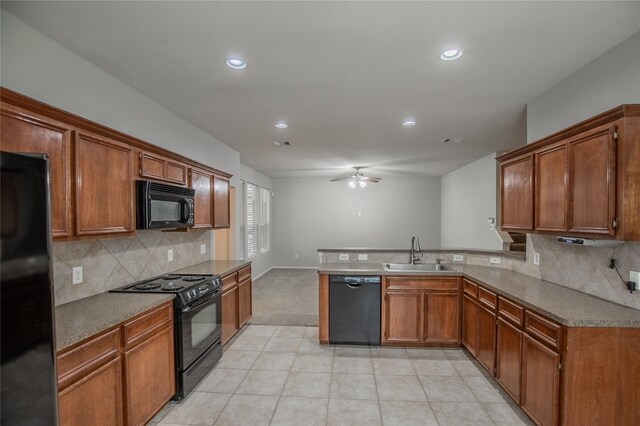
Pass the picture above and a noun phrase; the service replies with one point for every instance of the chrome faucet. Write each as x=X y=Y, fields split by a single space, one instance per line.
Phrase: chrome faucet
x=415 y=255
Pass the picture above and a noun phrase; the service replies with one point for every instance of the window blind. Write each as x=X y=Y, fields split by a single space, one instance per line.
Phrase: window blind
x=243 y=220
x=265 y=220
x=251 y=224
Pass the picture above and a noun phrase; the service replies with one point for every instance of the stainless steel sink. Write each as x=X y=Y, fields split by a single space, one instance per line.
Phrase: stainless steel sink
x=425 y=267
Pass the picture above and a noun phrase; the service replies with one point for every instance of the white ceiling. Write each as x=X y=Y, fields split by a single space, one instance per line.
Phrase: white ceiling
x=344 y=75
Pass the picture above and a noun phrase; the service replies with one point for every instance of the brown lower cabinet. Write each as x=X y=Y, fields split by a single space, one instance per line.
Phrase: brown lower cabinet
x=509 y=358
x=540 y=381
x=236 y=301
x=421 y=311
x=470 y=324
x=122 y=376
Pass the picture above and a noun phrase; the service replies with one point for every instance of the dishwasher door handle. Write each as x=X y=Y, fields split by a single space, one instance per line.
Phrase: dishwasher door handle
x=353 y=285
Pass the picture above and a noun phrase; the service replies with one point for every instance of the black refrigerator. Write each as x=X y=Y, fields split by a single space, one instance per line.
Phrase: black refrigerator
x=29 y=394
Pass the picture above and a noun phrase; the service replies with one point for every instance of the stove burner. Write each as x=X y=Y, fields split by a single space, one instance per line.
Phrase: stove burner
x=193 y=279
x=147 y=286
x=172 y=287
x=171 y=277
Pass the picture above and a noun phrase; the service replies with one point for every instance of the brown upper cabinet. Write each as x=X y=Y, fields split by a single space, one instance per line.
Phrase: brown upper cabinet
x=24 y=131
x=104 y=186
x=93 y=169
x=202 y=182
x=221 y=215
x=156 y=167
x=516 y=191
x=580 y=181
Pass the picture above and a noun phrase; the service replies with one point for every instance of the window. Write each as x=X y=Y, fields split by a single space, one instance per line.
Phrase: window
x=265 y=220
x=255 y=222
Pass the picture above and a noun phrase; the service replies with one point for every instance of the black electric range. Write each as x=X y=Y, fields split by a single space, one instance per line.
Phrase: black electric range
x=197 y=325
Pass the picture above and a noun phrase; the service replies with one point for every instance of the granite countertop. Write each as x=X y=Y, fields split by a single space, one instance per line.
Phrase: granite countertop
x=84 y=318
x=564 y=305
x=215 y=267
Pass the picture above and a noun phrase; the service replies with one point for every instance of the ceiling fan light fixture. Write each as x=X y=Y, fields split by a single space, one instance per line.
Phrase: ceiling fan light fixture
x=362 y=183
x=351 y=183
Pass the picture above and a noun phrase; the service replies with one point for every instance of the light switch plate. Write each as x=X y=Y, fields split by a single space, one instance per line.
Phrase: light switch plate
x=203 y=248
x=635 y=277
x=77 y=275
x=495 y=260
x=363 y=257
x=170 y=255
x=536 y=258
x=344 y=256
x=458 y=258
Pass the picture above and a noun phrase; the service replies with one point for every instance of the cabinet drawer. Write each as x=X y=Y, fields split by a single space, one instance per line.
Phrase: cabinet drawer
x=139 y=328
x=410 y=283
x=487 y=298
x=470 y=288
x=244 y=273
x=88 y=356
x=229 y=280
x=543 y=329
x=510 y=311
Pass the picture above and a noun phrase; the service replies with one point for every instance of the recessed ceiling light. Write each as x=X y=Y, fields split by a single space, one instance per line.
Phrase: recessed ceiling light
x=236 y=64
x=451 y=54
x=276 y=143
x=409 y=123
x=281 y=125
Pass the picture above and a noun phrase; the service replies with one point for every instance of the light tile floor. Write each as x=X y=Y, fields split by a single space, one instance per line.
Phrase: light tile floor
x=280 y=375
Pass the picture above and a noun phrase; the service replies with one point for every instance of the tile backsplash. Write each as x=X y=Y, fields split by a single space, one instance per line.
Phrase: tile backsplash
x=109 y=263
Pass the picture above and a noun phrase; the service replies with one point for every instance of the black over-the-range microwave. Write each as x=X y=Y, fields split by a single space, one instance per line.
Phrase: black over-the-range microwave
x=164 y=206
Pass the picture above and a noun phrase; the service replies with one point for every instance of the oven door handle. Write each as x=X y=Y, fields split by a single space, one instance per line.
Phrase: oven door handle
x=200 y=302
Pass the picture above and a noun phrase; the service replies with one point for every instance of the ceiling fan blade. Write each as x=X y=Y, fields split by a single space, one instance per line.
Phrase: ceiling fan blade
x=372 y=179
x=338 y=179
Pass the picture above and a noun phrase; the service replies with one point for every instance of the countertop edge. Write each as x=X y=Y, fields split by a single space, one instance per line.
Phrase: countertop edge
x=508 y=254
x=596 y=323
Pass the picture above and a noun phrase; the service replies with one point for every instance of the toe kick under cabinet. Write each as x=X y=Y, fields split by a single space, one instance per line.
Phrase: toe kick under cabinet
x=122 y=376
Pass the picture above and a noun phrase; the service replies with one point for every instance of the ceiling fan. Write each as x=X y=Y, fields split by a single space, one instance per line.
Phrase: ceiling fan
x=358 y=179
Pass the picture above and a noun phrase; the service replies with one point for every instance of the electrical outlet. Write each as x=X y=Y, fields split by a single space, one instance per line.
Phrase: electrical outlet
x=77 y=275
x=296 y=256
x=458 y=258
x=495 y=260
x=536 y=258
x=170 y=255
x=635 y=277
x=203 y=248
x=363 y=257
x=344 y=256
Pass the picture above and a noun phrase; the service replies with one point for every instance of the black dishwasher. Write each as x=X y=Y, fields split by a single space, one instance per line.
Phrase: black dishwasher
x=354 y=309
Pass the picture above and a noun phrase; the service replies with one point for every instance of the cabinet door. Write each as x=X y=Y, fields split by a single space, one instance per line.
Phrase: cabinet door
x=176 y=172
x=220 y=202
x=244 y=302
x=96 y=399
x=487 y=339
x=229 y=313
x=403 y=313
x=540 y=382
x=551 y=188
x=592 y=182
x=20 y=132
x=442 y=317
x=517 y=194
x=470 y=324
x=508 y=358
x=104 y=186
x=152 y=166
x=149 y=374
x=202 y=182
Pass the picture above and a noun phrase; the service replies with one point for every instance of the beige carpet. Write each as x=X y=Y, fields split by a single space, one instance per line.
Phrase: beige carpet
x=286 y=297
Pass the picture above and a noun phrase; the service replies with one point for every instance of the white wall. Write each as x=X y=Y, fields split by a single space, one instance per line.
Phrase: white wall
x=611 y=80
x=36 y=66
x=314 y=213
x=468 y=199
